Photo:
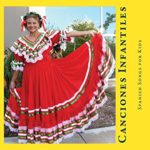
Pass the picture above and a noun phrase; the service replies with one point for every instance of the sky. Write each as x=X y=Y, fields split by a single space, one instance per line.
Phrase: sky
x=61 y=17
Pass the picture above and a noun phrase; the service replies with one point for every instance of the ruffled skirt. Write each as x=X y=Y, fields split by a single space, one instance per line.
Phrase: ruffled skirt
x=60 y=97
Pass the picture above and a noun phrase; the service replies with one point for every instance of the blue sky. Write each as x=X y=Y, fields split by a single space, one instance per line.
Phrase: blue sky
x=61 y=17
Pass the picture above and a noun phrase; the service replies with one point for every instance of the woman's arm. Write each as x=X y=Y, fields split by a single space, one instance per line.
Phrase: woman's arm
x=13 y=80
x=80 y=33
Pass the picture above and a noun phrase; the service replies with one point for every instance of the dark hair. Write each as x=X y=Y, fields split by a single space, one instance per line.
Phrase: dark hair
x=33 y=15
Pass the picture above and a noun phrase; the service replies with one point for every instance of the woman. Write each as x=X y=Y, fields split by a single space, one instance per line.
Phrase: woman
x=58 y=96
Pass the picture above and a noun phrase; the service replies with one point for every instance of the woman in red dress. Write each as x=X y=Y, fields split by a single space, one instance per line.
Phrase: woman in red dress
x=58 y=97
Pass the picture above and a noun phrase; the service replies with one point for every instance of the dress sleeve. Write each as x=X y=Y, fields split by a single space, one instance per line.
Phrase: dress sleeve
x=18 y=63
x=60 y=37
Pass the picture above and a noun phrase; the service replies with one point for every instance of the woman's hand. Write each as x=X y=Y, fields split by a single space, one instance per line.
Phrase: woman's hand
x=12 y=86
x=13 y=83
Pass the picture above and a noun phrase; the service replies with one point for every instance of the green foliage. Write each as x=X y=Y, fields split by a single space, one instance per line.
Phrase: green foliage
x=110 y=19
x=7 y=71
x=80 y=25
x=78 y=41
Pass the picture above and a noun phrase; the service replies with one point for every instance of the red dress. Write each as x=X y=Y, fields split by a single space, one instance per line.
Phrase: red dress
x=58 y=96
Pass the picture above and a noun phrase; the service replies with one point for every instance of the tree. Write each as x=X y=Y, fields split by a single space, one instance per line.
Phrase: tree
x=111 y=18
x=78 y=41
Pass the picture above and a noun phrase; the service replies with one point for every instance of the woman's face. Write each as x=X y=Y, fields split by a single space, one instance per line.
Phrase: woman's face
x=32 y=25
